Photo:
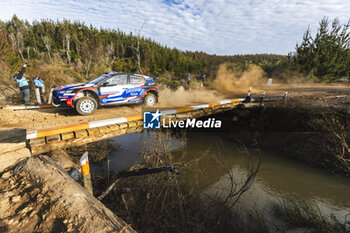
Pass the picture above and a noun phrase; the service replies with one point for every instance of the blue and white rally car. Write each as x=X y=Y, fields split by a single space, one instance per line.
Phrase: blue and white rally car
x=109 y=88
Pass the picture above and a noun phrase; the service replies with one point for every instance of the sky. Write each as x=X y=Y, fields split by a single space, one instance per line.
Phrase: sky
x=222 y=27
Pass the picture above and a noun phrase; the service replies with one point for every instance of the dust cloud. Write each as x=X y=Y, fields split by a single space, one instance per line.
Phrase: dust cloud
x=182 y=97
x=226 y=83
x=234 y=82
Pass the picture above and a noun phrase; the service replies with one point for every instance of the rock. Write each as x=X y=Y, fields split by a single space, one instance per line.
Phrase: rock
x=8 y=194
x=16 y=198
x=32 y=214
x=27 y=209
x=70 y=227
x=6 y=175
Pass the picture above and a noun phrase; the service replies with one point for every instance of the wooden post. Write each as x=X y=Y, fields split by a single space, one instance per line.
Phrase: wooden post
x=285 y=97
x=262 y=98
x=108 y=168
x=85 y=172
x=247 y=99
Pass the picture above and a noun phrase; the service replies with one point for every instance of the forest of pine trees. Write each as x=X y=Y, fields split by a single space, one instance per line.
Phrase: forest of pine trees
x=86 y=47
x=327 y=55
x=84 y=52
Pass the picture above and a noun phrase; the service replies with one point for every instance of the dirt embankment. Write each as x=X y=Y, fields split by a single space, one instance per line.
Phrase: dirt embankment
x=44 y=198
x=314 y=135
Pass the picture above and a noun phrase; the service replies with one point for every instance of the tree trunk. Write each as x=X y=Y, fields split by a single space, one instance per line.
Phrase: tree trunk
x=28 y=56
x=47 y=43
x=68 y=47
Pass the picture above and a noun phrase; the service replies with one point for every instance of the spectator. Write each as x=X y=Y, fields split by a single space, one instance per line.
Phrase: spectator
x=203 y=79
x=39 y=88
x=23 y=83
x=189 y=79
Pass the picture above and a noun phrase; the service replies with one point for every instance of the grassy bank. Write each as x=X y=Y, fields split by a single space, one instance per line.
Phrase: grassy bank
x=307 y=216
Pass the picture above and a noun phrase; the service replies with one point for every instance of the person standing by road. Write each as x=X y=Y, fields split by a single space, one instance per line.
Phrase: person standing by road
x=23 y=83
x=39 y=88
x=189 y=79
x=203 y=79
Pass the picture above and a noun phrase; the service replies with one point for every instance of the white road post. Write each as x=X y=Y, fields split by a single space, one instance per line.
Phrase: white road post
x=285 y=97
x=37 y=94
x=85 y=172
x=250 y=89
x=269 y=82
x=49 y=101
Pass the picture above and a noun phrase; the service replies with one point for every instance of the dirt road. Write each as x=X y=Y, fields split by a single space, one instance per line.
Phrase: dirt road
x=45 y=118
x=308 y=95
x=317 y=95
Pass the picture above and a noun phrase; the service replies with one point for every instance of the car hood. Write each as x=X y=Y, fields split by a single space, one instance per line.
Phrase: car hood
x=74 y=86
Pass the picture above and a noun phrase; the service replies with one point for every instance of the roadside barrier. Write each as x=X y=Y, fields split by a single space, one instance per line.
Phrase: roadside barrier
x=28 y=107
x=93 y=124
x=32 y=134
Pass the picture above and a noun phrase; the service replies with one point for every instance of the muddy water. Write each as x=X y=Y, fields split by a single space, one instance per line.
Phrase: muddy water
x=278 y=177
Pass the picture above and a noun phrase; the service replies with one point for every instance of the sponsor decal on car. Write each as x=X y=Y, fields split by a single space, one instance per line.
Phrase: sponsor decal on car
x=133 y=90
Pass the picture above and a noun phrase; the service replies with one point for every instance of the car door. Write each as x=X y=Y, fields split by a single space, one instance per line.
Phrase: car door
x=136 y=89
x=112 y=90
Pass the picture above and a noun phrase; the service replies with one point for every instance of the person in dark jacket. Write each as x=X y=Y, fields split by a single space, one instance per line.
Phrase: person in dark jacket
x=189 y=79
x=23 y=84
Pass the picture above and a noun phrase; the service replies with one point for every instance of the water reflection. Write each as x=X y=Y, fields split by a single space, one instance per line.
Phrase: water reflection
x=278 y=177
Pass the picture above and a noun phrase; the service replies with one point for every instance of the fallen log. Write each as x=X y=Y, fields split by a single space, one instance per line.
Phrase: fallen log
x=139 y=172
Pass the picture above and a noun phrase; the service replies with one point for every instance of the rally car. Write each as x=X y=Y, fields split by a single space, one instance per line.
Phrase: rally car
x=110 y=88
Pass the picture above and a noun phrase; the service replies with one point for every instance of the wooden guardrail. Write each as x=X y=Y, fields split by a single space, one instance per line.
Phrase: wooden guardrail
x=28 y=107
x=42 y=141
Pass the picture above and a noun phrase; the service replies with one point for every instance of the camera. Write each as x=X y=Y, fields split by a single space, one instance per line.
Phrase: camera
x=27 y=64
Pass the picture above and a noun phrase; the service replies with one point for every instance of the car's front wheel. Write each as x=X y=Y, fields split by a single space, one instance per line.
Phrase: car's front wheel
x=86 y=105
x=150 y=99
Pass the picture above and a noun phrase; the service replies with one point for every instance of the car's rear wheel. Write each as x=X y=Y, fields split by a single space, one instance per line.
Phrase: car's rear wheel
x=86 y=105
x=150 y=99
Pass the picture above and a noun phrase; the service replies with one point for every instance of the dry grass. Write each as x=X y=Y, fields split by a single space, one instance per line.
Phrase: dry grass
x=307 y=215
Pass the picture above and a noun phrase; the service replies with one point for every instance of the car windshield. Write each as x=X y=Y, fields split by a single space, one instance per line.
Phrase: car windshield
x=97 y=80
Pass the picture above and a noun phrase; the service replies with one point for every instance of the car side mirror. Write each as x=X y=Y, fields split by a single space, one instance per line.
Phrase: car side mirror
x=105 y=84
